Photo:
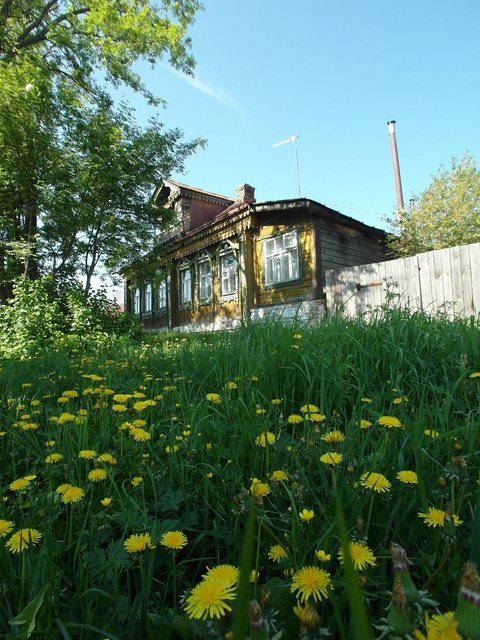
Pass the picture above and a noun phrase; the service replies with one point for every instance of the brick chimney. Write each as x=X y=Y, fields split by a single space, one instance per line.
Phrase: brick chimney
x=245 y=193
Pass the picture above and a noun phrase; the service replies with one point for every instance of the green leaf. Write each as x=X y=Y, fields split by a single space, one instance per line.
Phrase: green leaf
x=28 y=615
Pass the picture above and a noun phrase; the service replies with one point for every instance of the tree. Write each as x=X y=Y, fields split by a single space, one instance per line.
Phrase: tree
x=446 y=214
x=76 y=38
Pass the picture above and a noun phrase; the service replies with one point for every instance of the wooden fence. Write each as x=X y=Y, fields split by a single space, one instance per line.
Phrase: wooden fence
x=443 y=281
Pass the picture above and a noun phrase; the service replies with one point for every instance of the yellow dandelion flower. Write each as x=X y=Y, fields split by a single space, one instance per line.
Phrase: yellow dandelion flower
x=306 y=515
x=278 y=475
x=475 y=374
x=70 y=393
x=108 y=458
x=309 y=408
x=97 y=475
x=138 y=542
x=265 y=439
x=136 y=481
x=139 y=422
x=322 y=556
x=297 y=336
x=294 y=418
x=375 y=482
x=365 y=424
x=310 y=582
x=315 y=417
x=65 y=417
x=119 y=408
x=210 y=599
x=308 y=616
x=62 y=399
x=275 y=401
x=174 y=540
x=332 y=458
x=333 y=437
x=53 y=457
x=122 y=398
x=87 y=454
x=50 y=443
x=19 y=484
x=5 y=527
x=439 y=627
x=231 y=385
x=69 y=493
x=259 y=489
x=213 y=397
x=106 y=502
x=139 y=434
x=436 y=518
x=175 y=448
x=227 y=573
x=431 y=433
x=391 y=422
x=365 y=400
x=260 y=411
x=277 y=553
x=360 y=554
x=252 y=578
x=22 y=539
x=407 y=477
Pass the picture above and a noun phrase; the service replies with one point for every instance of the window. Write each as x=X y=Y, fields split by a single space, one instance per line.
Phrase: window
x=184 y=284
x=148 y=298
x=280 y=258
x=136 y=301
x=204 y=270
x=162 y=295
x=228 y=274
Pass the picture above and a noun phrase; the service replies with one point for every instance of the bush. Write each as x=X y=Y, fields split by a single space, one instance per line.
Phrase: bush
x=44 y=314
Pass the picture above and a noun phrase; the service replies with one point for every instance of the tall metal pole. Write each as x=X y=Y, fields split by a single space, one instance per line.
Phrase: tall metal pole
x=396 y=166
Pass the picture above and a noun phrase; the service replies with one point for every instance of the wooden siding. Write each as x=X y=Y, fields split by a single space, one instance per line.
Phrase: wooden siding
x=300 y=289
x=443 y=281
x=340 y=246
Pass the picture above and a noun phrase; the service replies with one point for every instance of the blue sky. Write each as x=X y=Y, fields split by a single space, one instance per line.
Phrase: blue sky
x=332 y=73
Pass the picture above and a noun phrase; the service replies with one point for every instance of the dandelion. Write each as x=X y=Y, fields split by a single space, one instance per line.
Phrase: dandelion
x=333 y=437
x=275 y=401
x=310 y=582
x=175 y=448
x=475 y=374
x=97 y=475
x=87 y=454
x=375 y=481
x=265 y=439
x=332 y=458
x=119 y=408
x=122 y=398
x=5 y=527
x=231 y=385
x=136 y=481
x=389 y=421
x=309 y=408
x=69 y=493
x=315 y=417
x=436 y=518
x=53 y=457
x=21 y=540
x=108 y=458
x=277 y=553
x=213 y=397
x=439 y=627
x=407 y=477
x=259 y=489
x=138 y=542
x=210 y=599
x=174 y=540
x=139 y=434
x=308 y=616
x=322 y=556
x=278 y=475
x=360 y=554
x=19 y=484
x=294 y=418
x=106 y=502
x=227 y=573
x=365 y=424
x=365 y=400
x=306 y=515
x=431 y=433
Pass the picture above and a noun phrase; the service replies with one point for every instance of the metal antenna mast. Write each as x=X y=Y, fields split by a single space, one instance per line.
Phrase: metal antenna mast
x=293 y=140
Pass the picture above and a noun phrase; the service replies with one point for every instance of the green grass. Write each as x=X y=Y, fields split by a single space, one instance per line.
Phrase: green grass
x=199 y=461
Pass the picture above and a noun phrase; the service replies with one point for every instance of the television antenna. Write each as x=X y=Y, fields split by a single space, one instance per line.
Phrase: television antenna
x=293 y=139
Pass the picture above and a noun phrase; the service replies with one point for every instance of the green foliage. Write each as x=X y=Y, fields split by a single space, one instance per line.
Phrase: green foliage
x=42 y=315
x=447 y=212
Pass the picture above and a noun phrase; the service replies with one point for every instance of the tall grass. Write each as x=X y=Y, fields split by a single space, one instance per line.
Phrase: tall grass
x=201 y=456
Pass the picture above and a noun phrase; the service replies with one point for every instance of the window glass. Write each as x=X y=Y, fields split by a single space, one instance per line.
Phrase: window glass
x=136 y=301
x=281 y=258
x=204 y=280
x=148 y=298
x=228 y=274
x=162 y=295
x=185 y=285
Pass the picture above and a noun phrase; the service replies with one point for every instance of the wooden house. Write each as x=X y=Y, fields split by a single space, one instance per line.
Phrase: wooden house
x=220 y=261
